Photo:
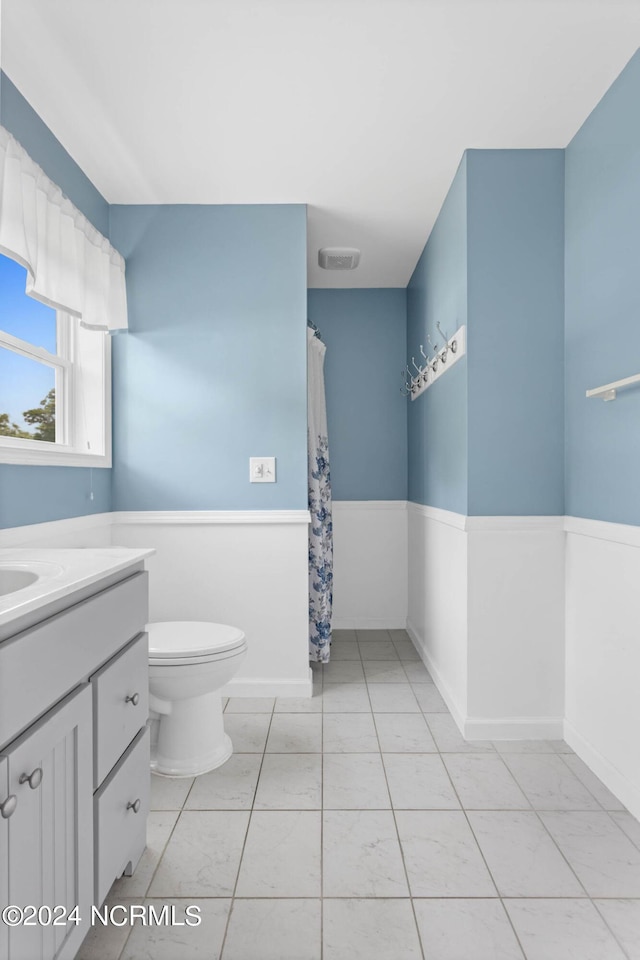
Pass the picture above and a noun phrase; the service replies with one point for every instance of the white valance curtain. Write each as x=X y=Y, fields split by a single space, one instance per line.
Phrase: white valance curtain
x=70 y=265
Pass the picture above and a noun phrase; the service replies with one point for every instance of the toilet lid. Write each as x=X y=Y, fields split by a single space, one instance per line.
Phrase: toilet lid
x=178 y=639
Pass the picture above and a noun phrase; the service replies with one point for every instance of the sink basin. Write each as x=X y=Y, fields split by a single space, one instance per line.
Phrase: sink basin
x=18 y=576
x=12 y=580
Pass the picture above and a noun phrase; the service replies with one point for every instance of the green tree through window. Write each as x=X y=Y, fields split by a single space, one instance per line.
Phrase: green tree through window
x=42 y=417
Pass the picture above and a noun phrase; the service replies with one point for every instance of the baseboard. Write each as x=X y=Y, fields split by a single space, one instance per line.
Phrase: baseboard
x=513 y=728
x=249 y=687
x=436 y=677
x=622 y=788
x=360 y=623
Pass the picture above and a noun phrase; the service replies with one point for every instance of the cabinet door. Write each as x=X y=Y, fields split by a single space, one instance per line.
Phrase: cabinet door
x=4 y=851
x=51 y=831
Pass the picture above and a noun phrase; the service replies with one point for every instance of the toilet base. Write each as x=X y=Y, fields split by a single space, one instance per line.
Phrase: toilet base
x=191 y=739
x=166 y=767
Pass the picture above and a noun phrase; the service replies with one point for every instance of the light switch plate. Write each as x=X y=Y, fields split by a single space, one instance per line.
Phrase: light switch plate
x=262 y=469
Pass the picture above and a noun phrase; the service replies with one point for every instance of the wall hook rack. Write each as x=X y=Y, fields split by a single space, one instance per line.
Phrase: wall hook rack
x=442 y=360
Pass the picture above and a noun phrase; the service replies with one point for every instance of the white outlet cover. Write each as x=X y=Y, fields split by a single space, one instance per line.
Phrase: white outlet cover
x=262 y=469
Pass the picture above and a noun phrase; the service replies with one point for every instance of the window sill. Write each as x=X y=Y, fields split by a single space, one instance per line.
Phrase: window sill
x=52 y=458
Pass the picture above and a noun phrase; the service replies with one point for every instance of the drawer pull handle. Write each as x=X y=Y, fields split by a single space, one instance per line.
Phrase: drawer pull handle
x=7 y=809
x=33 y=779
x=135 y=806
x=134 y=699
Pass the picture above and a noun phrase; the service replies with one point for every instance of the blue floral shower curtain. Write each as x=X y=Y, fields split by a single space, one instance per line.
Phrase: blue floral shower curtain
x=320 y=529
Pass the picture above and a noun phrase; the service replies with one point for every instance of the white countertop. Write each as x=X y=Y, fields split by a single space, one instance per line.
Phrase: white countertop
x=61 y=573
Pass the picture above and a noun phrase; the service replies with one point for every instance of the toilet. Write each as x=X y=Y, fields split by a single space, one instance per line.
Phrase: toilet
x=189 y=663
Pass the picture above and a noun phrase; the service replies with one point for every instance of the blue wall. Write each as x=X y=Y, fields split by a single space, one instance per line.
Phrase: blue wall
x=602 y=306
x=37 y=494
x=365 y=335
x=213 y=368
x=487 y=438
x=515 y=241
x=437 y=420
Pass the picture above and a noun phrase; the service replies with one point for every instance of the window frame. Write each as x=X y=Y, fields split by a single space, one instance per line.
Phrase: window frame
x=68 y=449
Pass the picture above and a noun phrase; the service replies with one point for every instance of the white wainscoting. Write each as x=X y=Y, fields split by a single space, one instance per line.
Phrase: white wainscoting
x=515 y=610
x=369 y=564
x=602 y=706
x=486 y=612
x=245 y=568
x=485 y=608
x=437 y=602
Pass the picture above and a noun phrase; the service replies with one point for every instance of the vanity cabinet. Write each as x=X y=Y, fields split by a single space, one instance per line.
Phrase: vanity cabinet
x=74 y=771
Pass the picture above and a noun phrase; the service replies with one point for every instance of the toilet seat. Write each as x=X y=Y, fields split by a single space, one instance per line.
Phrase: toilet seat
x=192 y=641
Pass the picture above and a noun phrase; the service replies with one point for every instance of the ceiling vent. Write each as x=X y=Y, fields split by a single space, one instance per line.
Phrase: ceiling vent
x=338 y=258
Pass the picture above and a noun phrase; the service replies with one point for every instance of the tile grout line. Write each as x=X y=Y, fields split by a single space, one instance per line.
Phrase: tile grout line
x=395 y=823
x=635 y=843
x=608 y=926
x=145 y=896
x=246 y=834
x=601 y=805
x=484 y=859
x=537 y=812
x=587 y=894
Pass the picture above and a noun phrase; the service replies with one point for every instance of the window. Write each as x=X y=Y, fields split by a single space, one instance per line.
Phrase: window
x=54 y=381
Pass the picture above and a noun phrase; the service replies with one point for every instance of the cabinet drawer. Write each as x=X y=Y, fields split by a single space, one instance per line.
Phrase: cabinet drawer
x=120 y=832
x=41 y=665
x=120 y=704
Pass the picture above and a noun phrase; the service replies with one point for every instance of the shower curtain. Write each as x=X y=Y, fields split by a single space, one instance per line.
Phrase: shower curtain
x=320 y=529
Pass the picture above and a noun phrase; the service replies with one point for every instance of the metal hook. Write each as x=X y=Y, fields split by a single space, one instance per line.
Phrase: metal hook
x=443 y=353
x=419 y=369
x=423 y=353
x=442 y=334
x=437 y=351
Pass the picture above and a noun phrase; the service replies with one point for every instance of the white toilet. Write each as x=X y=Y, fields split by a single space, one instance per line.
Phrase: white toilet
x=189 y=662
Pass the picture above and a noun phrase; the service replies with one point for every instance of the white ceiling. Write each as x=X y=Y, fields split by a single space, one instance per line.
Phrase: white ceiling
x=359 y=108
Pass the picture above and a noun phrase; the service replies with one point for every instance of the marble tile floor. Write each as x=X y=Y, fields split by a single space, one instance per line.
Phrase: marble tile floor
x=360 y=824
